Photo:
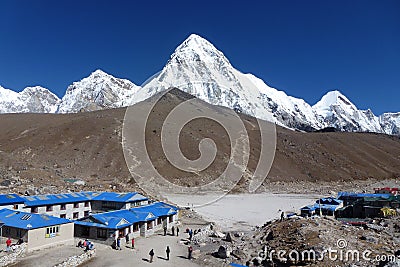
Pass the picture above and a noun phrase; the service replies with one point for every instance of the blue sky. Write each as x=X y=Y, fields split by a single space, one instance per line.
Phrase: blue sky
x=305 y=48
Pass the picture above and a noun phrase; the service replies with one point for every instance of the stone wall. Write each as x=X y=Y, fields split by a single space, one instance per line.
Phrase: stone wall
x=16 y=253
x=74 y=261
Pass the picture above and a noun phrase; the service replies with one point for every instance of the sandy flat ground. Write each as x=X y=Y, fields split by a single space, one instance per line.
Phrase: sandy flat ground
x=244 y=211
x=106 y=256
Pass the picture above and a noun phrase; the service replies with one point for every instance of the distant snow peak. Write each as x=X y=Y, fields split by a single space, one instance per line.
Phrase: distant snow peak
x=197 y=67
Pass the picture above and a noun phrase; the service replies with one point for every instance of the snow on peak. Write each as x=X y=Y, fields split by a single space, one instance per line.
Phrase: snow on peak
x=99 y=90
x=34 y=99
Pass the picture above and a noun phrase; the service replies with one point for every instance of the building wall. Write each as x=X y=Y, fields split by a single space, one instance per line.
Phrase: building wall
x=99 y=205
x=13 y=206
x=37 y=237
x=68 y=211
x=15 y=233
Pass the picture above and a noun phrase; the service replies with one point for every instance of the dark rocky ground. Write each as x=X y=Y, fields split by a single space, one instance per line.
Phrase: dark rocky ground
x=48 y=153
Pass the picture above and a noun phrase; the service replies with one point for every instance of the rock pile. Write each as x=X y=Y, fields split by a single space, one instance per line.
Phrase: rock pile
x=77 y=260
x=17 y=252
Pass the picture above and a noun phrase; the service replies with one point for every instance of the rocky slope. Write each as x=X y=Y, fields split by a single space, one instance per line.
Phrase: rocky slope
x=52 y=150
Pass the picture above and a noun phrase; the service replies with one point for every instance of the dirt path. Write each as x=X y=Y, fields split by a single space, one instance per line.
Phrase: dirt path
x=106 y=256
x=49 y=257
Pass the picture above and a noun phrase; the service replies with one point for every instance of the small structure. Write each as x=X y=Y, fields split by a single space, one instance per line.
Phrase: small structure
x=387 y=190
x=323 y=206
x=139 y=221
x=109 y=201
x=38 y=230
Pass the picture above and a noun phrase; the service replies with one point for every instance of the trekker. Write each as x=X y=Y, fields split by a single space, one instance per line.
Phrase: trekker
x=127 y=238
x=8 y=243
x=151 y=253
x=118 y=243
x=282 y=216
x=133 y=242
x=177 y=231
x=168 y=251
x=190 y=234
x=173 y=230
x=165 y=230
x=190 y=251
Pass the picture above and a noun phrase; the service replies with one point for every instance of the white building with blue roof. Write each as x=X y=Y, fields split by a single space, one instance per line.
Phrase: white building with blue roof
x=138 y=221
x=38 y=230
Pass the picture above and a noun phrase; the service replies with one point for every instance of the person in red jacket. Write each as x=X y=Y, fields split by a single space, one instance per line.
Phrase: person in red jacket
x=8 y=243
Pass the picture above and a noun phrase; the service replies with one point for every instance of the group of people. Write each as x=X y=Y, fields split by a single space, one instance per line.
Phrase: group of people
x=172 y=230
x=168 y=250
x=86 y=244
x=117 y=243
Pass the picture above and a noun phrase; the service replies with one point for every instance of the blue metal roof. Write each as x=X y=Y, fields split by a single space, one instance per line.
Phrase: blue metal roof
x=158 y=209
x=43 y=200
x=360 y=195
x=329 y=201
x=322 y=207
x=236 y=265
x=112 y=219
x=24 y=220
x=10 y=199
x=119 y=197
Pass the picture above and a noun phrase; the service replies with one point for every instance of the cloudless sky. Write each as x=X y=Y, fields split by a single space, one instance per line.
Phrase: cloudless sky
x=304 y=48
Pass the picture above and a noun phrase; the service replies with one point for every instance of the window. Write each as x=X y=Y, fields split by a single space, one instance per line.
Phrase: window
x=63 y=216
x=75 y=215
x=136 y=227
x=159 y=220
x=85 y=213
x=76 y=205
x=171 y=218
x=34 y=210
x=87 y=204
x=52 y=231
x=63 y=207
x=16 y=206
x=149 y=225
x=101 y=233
x=49 y=208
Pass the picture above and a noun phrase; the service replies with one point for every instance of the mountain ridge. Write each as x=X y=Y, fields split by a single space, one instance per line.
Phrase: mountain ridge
x=197 y=67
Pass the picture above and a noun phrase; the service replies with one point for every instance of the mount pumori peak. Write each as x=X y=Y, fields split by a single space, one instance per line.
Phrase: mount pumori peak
x=197 y=67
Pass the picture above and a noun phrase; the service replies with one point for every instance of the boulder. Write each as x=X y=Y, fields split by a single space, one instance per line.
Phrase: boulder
x=224 y=252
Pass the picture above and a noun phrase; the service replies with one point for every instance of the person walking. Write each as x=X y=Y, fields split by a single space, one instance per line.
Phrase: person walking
x=165 y=230
x=133 y=242
x=190 y=234
x=151 y=253
x=190 y=251
x=167 y=251
x=177 y=231
x=173 y=230
x=127 y=238
x=282 y=215
x=118 y=243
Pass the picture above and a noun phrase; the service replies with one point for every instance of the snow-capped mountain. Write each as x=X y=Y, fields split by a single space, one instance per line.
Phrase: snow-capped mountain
x=98 y=91
x=336 y=110
x=390 y=123
x=32 y=99
x=199 y=68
